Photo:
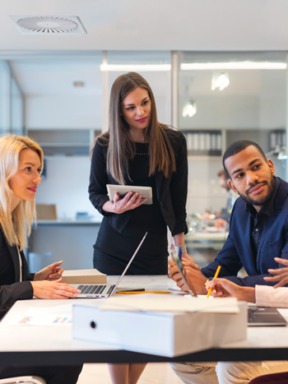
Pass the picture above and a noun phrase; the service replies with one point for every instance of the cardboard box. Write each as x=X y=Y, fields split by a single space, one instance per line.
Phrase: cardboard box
x=159 y=333
x=46 y=212
x=84 y=276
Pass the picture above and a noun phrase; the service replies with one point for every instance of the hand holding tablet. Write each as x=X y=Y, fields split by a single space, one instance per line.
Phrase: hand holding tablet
x=122 y=190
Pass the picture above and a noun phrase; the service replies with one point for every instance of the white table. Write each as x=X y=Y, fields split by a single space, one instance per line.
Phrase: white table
x=44 y=345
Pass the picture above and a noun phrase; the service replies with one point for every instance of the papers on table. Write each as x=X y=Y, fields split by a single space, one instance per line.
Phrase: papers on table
x=169 y=303
x=61 y=315
x=56 y=316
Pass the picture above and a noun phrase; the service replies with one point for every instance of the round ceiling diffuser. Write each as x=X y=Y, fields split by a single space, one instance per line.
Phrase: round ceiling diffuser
x=47 y=24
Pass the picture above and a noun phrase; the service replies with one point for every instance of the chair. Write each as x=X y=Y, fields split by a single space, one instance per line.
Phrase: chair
x=23 y=380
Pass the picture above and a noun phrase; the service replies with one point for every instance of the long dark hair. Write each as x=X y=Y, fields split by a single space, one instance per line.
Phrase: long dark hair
x=120 y=148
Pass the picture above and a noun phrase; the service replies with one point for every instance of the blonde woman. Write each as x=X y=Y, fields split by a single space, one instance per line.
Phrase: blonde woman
x=137 y=150
x=21 y=161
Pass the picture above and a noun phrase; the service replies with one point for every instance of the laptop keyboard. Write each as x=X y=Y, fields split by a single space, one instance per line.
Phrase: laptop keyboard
x=94 y=289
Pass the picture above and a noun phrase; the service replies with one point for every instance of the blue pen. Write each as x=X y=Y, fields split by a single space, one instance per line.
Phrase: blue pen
x=180 y=253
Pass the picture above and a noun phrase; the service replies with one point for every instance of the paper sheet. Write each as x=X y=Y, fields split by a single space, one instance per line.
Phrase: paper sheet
x=56 y=316
x=169 y=303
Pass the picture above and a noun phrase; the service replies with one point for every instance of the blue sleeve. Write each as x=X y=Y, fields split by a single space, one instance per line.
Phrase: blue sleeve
x=251 y=281
x=229 y=260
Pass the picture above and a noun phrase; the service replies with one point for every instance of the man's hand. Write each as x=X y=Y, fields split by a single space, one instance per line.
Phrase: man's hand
x=192 y=273
x=52 y=272
x=53 y=290
x=281 y=274
x=225 y=288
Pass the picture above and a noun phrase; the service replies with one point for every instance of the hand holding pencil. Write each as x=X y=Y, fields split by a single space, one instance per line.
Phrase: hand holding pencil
x=215 y=277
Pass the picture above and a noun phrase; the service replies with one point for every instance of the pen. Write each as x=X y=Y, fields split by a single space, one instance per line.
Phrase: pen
x=180 y=253
x=215 y=277
x=135 y=292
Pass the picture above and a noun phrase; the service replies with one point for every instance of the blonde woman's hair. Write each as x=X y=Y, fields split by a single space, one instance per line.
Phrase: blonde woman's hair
x=16 y=225
x=120 y=148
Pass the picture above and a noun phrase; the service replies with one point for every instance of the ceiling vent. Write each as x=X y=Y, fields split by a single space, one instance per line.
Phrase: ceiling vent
x=49 y=25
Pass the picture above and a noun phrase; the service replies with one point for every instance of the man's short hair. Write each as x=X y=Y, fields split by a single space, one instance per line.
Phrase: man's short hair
x=237 y=147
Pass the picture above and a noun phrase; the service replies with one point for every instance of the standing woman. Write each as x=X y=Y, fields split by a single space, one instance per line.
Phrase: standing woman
x=137 y=150
x=21 y=161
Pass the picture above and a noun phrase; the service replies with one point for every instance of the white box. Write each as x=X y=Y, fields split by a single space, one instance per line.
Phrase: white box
x=158 y=333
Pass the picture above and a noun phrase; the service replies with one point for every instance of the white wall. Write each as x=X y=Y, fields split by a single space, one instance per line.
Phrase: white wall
x=66 y=185
x=204 y=191
x=54 y=111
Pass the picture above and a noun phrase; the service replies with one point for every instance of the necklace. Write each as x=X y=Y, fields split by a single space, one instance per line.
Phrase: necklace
x=141 y=154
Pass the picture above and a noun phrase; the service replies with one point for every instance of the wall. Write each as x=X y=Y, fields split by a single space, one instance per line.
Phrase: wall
x=66 y=185
x=64 y=111
x=204 y=192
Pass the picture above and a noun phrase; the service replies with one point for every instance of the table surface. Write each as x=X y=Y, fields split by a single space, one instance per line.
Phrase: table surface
x=40 y=345
x=207 y=236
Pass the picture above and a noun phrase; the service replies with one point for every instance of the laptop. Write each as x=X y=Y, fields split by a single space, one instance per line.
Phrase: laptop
x=103 y=291
x=265 y=317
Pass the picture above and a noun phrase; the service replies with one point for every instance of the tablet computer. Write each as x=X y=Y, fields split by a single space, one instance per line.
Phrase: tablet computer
x=145 y=192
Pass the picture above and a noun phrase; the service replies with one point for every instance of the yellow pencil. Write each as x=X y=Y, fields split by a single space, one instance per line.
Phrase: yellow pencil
x=215 y=277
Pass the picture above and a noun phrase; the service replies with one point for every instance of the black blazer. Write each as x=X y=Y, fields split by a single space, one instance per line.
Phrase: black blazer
x=171 y=191
x=16 y=291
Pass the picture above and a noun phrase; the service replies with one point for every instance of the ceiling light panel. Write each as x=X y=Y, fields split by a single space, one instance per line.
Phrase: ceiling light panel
x=49 y=25
x=233 y=65
x=135 y=67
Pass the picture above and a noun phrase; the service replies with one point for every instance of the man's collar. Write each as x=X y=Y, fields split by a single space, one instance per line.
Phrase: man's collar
x=268 y=207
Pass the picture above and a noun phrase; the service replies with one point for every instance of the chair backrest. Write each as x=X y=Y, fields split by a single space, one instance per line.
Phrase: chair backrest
x=23 y=380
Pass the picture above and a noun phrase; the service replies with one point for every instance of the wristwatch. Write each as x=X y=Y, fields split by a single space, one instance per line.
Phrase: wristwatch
x=183 y=248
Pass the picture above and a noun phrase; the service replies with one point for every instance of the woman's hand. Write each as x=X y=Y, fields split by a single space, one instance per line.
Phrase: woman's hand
x=53 y=290
x=52 y=272
x=225 y=288
x=281 y=273
x=130 y=201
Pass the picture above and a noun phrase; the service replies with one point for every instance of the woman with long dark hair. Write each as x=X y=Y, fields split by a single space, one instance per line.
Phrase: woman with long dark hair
x=140 y=151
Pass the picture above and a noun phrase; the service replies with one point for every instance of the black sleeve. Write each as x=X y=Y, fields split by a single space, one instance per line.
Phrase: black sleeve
x=179 y=185
x=30 y=276
x=13 y=292
x=98 y=178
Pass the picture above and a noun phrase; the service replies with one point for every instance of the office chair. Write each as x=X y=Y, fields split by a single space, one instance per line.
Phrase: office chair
x=23 y=380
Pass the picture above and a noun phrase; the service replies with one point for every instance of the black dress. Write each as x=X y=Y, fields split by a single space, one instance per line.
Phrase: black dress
x=113 y=249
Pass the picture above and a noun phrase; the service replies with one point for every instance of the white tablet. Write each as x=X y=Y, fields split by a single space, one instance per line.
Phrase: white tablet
x=145 y=192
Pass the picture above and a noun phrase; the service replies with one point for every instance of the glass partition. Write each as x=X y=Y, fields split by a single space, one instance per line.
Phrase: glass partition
x=16 y=102
x=4 y=97
x=155 y=67
x=222 y=98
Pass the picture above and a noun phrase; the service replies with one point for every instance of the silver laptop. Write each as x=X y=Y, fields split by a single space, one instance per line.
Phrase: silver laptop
x=102 y=291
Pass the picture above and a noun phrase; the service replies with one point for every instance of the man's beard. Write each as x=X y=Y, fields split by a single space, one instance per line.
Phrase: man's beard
x=261 y=200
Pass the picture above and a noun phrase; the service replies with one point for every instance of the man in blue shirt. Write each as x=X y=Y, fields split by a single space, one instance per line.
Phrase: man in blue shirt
x=258 y=233
x=258 y=225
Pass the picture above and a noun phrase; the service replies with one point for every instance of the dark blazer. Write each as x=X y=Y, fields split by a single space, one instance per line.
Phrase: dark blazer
x=171 y=191
x=237 y=251
x=17 y=291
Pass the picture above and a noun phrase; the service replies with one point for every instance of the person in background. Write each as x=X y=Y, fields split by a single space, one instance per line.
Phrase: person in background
x=223 y=217
x=137 y=150
x=258 y=233
x=21 y=162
